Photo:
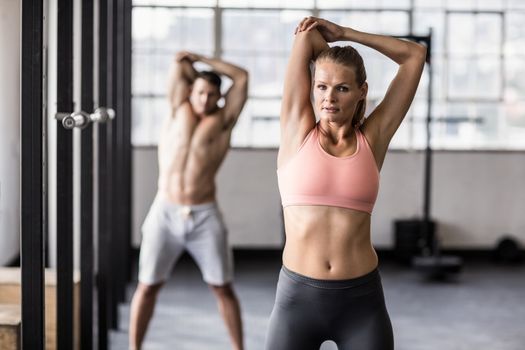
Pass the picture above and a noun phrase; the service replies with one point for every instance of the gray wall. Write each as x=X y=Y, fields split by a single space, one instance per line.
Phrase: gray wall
x=10 y=14
x=476 y=196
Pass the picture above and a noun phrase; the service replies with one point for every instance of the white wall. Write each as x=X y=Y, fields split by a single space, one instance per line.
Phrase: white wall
x=247 y=191
x=10 y=31
x=479 y=196
x=476 y=196
x=51 y=29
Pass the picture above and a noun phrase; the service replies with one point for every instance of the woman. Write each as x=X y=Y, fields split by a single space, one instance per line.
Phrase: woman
x=329 y=286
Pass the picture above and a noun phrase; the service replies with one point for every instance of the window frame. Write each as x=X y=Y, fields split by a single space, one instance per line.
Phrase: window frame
x=444 y=102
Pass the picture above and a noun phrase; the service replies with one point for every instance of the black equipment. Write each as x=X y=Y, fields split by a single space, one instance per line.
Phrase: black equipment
x=416 y=240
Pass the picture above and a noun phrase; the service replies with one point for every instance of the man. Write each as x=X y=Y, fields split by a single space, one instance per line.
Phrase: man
x=184 y=214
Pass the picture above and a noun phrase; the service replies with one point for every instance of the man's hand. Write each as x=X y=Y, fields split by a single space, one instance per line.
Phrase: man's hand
x=186 y=55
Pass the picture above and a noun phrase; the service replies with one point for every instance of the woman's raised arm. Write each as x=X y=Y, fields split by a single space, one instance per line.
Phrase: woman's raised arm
x=297 y=115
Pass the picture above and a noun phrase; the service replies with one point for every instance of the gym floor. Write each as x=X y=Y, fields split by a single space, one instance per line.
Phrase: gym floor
x=481 y=308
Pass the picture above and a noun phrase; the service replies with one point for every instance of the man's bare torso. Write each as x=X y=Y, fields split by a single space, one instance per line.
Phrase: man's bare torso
x=191 y=150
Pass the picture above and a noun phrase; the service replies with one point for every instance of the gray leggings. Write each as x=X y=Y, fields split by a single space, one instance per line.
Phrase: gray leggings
x=308 y=311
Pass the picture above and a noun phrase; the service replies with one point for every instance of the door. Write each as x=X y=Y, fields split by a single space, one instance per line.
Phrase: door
x=75 y=142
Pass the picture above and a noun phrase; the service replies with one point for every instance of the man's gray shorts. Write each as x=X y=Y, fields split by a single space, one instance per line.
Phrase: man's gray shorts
x=169 y=229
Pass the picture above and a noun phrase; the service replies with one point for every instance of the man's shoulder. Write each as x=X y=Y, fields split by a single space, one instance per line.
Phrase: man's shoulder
x=217 y=113
x=183 y=109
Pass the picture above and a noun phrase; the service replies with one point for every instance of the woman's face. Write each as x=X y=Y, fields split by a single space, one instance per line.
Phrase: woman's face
x=336 y=92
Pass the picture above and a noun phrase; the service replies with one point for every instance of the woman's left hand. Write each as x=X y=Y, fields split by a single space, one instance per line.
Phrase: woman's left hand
x=330 y=31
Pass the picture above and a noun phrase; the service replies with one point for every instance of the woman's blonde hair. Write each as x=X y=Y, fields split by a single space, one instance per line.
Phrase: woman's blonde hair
x=348 y=56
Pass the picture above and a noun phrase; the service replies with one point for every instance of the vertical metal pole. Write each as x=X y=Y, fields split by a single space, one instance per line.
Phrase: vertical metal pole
x=427 y=231
x=121 y=150
x=428 y=148
x=126 y=119
x=104 y=175
x=65 y=178
x=119 y=248
x=32 y=209
x=86 y=178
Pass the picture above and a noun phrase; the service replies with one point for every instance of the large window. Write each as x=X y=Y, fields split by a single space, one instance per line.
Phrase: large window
x=263 y=51
x=159 y=32
x=478 y=61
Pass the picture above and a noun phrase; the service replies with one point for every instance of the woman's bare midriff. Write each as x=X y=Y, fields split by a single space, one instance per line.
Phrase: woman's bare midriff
x=328 y=243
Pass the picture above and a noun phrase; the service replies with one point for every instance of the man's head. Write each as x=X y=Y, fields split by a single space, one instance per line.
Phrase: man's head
x=205 y=92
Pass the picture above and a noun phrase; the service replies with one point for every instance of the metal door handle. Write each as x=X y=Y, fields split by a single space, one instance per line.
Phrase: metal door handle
x=81 y=119
x=74 y=120
x=102 y=115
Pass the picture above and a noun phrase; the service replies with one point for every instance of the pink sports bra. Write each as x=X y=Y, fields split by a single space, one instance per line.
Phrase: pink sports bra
x=315 y=177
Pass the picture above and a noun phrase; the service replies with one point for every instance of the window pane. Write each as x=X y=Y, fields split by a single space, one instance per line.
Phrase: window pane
x=469 y=33
x=270 y=31
x=189 y=29
x=363 y=4
x=460 y=5
x=490 y=5
x=422 y=89
x=394 y=23
x=266 y=72
x=515 y=82
x=142 y=78
x=380 y=72
x=341 y=4
x=196 y=3
x=473 y=126
x=487 y=78
x=384 y=22
x=367 y=4
x=141 y=32
x=412 y=132
x=489 y=128
x=150 y=73
x=460 y=79
x=423 y=20
x=488 y=34
x=461 y=33
x=265 y=133
x=148 y=116
x=439 y=126
x=429 y=4
x=169 y=30
x=455 y=130
x=514 y=115
x=479 y=78
x=516 y=4
x=515 y=118
x=268 y=3
x=403 y=136
x=241 y=134
x=399 y=4
x=438 y=79
x=258 y=125
x=515 y=34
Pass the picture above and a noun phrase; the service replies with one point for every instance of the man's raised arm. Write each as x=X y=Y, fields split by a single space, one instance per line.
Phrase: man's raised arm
x=181 y=76
x=237 y=95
